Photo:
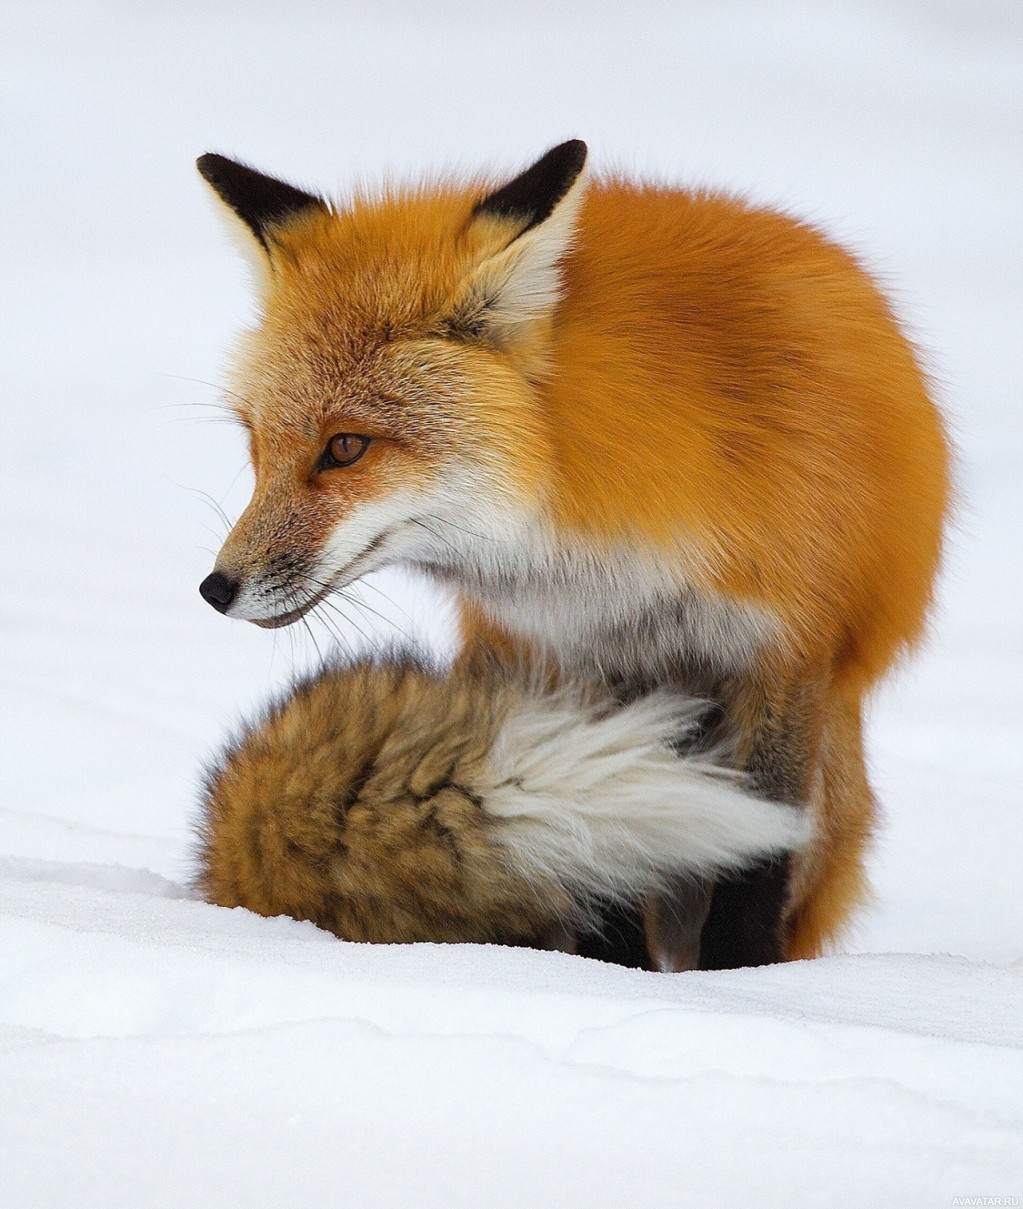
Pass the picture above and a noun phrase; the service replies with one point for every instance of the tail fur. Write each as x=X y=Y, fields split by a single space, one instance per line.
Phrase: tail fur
x=598 y=800
x=389 y=801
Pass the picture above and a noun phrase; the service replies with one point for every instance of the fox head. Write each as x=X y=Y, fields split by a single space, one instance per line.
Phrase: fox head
x=388 y=390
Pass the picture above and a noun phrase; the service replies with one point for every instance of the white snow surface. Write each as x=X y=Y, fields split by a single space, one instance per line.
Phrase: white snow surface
x=156 y=1051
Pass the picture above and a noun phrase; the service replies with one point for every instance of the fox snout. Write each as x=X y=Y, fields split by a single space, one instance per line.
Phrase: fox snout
x=263 y=574
x=284 y=554
x=287 y=553
x=271 y=593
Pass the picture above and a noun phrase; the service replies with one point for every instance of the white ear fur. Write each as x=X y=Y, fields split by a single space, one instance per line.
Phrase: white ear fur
x=242 y=238
x=523 y=281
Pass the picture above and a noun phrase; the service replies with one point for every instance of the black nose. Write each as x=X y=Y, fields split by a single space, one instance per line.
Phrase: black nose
x=218 y=590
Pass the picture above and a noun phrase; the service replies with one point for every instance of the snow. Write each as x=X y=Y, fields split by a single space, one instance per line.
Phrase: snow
x=157 y=1051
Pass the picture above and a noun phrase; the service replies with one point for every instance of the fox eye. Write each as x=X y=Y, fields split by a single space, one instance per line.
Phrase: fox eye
x=343 y=449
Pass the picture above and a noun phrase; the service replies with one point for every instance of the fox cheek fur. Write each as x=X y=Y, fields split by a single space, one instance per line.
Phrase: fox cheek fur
x=429 y=483
x=664 y=438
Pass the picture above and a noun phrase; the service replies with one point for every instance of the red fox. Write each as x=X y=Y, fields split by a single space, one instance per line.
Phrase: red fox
x=661 y=439
x=389 y=801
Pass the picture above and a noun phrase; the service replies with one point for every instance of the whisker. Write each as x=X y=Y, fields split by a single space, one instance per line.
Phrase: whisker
x=312 y=638
x=443 y=520
x=206 y=499
x=241 y=470
x=332 y=628
x=217 y=386
x=310 y=581
x=292 y=597
x=216 y=404
x=439 y=536
x=361 y=604
x=328 y=604
x=231 y=420
x=331 y=623
x=214 y=504
x=364 y=583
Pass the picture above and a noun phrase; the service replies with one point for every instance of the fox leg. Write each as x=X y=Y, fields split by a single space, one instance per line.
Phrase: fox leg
x=620 y=939
x=828 y=877
x=673 y=925
x=746 y=922
x=776 y=728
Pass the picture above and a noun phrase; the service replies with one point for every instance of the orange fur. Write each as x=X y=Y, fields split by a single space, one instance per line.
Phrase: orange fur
x=753 y=391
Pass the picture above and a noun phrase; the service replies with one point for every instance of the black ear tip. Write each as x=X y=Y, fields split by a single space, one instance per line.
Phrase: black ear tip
x=573 y=153
x=259 y=200
x=213 y=167
x=531 y=197
x=566 y=160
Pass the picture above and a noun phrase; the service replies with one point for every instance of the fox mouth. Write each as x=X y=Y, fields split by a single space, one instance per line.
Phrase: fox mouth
x=353 y=571
x=279 y=620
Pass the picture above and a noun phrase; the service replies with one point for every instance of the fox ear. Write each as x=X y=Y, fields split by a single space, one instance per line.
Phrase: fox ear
x=533 y=220
x=261 y=202
x=532 y=197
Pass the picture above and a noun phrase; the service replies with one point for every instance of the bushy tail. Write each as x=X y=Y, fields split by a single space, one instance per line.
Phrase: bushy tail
x=390 y=801
x=596 y=799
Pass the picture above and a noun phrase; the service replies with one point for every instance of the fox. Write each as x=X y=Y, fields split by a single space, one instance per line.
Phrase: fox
x=394 y=801
x=653 y=438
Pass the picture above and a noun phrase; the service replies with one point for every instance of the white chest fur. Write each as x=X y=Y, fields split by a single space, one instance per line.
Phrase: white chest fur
x=622 y=614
